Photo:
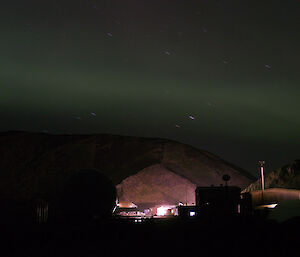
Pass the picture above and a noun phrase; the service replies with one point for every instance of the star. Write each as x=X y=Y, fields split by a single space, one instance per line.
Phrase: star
x=267 y=66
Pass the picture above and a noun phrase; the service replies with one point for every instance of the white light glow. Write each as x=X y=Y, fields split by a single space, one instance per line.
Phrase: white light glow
x=162 y=210
x=192 y=213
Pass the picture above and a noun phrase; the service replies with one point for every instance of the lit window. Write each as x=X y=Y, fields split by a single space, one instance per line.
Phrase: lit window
x=192 y=213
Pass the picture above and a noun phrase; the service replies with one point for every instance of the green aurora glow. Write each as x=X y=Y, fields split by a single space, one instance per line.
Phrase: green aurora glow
x=144 y=66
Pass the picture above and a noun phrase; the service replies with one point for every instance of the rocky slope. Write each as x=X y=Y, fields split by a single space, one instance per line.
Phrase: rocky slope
x=156 y=185
x=37 y=165
x=287 y=177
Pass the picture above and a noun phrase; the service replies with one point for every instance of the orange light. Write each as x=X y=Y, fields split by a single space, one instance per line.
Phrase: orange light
x=270 y=206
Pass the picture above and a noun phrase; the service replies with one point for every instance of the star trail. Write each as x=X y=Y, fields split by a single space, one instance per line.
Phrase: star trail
x=220 y=75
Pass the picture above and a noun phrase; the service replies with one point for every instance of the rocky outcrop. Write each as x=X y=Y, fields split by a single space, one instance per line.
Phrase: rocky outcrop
x=37 y=165
x=287 y=177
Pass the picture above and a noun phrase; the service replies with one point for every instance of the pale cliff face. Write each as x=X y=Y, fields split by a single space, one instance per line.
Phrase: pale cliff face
x=156 y=185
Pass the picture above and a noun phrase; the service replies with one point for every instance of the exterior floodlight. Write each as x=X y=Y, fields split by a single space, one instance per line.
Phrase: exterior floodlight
x=162 y=211
x=269 y=206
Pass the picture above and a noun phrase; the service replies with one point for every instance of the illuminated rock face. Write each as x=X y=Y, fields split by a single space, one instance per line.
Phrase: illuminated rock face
x=287 y=177
x=156 y=185
x=37 y=165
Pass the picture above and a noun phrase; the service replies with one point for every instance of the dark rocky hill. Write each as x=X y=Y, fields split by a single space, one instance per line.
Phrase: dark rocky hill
x=287 y=177
x=37 y=165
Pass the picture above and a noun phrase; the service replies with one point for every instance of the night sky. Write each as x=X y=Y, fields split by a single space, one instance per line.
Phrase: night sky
x=219 y=75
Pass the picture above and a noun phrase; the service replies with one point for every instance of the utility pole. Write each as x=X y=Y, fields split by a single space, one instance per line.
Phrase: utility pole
x=186 y=195
x=262 y=163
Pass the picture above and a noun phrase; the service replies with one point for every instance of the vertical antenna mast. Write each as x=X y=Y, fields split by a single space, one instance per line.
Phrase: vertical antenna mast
x=186 y=195
x=262 y=163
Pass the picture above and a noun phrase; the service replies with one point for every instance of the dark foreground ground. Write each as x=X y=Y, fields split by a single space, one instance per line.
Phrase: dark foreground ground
x=156 y=237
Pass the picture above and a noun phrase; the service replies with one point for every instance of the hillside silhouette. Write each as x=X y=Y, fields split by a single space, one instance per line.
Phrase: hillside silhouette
x=37 y=164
